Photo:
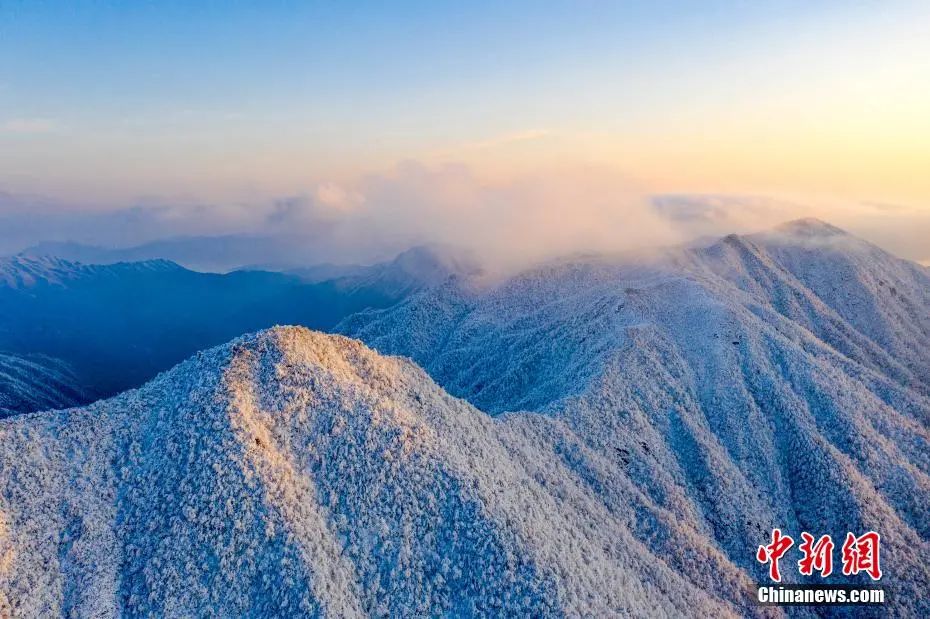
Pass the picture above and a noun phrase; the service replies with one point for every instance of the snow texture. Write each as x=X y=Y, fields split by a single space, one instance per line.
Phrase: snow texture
x=773 y=380
x=292 y=472
x=635 y=430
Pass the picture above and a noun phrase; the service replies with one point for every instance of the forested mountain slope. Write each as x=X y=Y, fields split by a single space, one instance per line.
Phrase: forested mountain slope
x=117 y=325
x=36 y=383
x=291 y=472
x=756 y=383
x=636 y=429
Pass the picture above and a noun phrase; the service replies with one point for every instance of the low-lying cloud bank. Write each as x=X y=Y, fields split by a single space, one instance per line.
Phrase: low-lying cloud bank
x=510 y=222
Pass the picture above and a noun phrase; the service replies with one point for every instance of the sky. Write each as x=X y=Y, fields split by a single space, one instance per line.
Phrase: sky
x=440 y=119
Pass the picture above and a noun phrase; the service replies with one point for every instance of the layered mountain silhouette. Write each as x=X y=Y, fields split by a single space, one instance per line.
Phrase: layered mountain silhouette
x=283 y=253
x=604 y=437
x=117 y=325
x=416 y=269
x=202 y=253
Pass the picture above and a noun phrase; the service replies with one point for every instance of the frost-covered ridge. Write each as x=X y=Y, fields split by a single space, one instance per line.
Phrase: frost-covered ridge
x=294 y=472
x=24 y=271
x=669 y=414
x=780 y=379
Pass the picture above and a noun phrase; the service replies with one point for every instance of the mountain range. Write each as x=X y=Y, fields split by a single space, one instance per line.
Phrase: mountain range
x=595 y=436
x=201 y=253
x=116 y=325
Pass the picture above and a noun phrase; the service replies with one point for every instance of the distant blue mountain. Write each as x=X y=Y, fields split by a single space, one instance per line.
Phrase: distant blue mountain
x=202 y=253
x=117 y=325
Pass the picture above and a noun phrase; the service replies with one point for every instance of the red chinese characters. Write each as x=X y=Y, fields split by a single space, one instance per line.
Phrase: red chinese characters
x=861 y=554
x=817 y=556
x=773 y=552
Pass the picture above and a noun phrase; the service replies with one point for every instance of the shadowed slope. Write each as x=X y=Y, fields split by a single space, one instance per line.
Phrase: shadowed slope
x=117 y=325
x=37 y=383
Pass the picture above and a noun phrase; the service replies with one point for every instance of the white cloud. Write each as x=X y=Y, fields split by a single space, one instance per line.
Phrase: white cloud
x=511 y=222
x=337 y=197
x=521 y=219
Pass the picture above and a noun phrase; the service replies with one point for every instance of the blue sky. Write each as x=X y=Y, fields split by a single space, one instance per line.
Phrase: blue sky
x=99 y=57
x=113 y=102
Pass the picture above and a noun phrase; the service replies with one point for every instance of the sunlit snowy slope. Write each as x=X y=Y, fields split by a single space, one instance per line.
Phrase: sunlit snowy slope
x=635 y=430
x=295 y=472
x=772 y=380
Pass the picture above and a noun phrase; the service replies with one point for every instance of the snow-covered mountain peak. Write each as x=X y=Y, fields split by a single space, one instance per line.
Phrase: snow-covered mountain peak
x=776 y=370
x=26 y=270
x=434 y=263
x=21 y=270
x=294 y=472
x=320 y=362
x=640 y=429
x=810 y=227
